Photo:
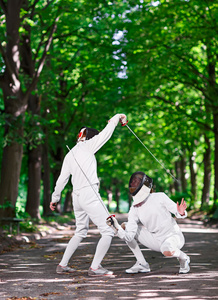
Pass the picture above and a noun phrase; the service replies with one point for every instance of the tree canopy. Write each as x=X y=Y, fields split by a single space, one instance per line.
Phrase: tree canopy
x=65 y=64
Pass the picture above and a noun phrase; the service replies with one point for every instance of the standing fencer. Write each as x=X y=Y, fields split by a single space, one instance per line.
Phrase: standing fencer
x=80 y=162
x=151 y=223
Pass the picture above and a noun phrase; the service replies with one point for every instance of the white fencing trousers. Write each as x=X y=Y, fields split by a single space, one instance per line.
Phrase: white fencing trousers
x=86 y=204
x=172 y=243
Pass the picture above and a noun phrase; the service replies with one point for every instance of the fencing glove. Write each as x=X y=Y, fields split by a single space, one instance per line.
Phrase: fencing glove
x=113 y=223
x=123 y=119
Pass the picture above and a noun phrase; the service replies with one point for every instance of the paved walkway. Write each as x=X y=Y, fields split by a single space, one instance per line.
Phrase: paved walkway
x=29 y=272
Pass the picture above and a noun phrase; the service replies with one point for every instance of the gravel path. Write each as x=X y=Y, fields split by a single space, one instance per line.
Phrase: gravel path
x=29 y=272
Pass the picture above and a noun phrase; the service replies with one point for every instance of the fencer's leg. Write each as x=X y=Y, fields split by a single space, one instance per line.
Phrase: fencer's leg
x=176 y=253
x=101 y=250
x=71 y=248
x=145 y=238
x=134 y=247
x=171 y=248
x=82 y=226
x=183 y=259
x=172 y=245
x=141 y=266
x=97 y=212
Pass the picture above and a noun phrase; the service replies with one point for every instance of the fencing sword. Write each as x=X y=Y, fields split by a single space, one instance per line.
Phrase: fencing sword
x=99 y=198
x=168 y=172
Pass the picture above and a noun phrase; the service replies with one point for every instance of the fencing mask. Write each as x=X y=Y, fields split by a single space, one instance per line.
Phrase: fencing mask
x=86 y=133
x=140 y=186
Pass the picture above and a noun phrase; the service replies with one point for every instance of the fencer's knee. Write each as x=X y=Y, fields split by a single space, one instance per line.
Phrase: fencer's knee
x=132 y=243
x=81 y=234
x=106 y=231
x=168 y=253
x=108 y=234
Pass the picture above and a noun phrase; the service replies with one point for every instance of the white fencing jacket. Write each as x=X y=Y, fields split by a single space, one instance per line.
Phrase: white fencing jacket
x=84 y=153
x=155 y=216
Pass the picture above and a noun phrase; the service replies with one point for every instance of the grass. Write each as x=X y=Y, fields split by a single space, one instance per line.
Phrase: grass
x=30 y=225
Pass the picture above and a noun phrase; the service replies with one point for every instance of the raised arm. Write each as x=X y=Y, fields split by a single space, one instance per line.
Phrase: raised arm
x=99 y=140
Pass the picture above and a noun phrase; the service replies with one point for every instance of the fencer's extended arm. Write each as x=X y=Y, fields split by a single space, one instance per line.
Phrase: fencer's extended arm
x=127 y=233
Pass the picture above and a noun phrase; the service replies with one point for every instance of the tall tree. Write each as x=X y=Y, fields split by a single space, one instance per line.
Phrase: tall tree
x=16 y=93
x=170 y=48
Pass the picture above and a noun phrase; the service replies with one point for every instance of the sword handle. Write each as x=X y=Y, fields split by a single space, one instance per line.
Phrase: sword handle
x=111 y=220
x=125 y=123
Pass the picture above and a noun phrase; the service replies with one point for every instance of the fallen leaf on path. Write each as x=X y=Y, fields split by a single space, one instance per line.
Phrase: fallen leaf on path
x=22 y=298
x=51 y=293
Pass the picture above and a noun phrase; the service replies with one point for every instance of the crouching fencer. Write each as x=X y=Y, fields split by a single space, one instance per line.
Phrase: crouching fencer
x=151 y=223
x=80 y=163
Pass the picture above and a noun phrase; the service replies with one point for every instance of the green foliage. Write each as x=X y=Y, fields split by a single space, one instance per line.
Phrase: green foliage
x=28 y=226
x=177 y=197
x=33 y=133
x=7 y=204
x=215 y=215
x=150 y=60
x=59 y=219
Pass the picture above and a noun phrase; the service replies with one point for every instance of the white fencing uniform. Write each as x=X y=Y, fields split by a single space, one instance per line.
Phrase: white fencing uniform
x=86 y=203
x=154 y=227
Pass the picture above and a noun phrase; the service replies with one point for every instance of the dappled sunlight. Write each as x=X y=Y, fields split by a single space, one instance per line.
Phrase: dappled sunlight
x=33 y=269
x=136 y=287
x=200 y=230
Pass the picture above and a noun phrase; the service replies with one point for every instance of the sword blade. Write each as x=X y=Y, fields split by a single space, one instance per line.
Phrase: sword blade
x=168 y=172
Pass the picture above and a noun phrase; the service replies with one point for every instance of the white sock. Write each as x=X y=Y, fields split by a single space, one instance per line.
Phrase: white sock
x=134 y=247
x=179 y=254
x=71 y=248
x=101 y=250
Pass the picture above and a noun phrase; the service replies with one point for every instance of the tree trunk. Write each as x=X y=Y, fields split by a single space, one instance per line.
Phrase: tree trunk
x=15 y=100
x=193 y=181
x=34 y=162
x=46 y=179
x=212 y=90
x=180 y=175
x=177 y=184
x=10 y=173
x=109 y=198
x=207 y=173
x=15 y=106
x=117 y=199
x=58 y=158
x=183 y=173
x=68 y=202
x=215 y=204
x=34 y=175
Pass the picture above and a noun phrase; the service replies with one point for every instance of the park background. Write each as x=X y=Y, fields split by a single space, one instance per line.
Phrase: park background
x=69 y=63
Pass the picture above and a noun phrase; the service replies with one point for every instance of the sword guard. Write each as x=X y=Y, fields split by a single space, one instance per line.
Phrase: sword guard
x=111 y=220
x=125 y=123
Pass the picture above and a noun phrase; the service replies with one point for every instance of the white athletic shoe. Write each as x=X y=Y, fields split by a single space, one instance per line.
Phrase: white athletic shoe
x=64 y=270
x=139 y=268
x=184 y=265
x=99 y=272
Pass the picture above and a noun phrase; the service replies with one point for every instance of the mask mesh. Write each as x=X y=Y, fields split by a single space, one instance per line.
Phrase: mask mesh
x=137 y=180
